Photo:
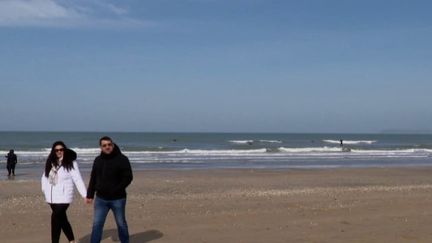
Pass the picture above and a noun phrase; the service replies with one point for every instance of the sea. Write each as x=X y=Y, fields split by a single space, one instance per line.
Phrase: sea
x=227 y=150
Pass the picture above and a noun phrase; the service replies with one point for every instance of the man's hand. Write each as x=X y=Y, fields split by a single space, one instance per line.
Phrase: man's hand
x=88 y=200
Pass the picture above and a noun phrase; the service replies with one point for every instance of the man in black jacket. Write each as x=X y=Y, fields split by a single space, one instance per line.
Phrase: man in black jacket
x=111 y=174
x=12 y=160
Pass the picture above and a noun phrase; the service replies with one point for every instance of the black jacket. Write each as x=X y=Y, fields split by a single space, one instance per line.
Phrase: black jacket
x=11 y=159
x=110 y=176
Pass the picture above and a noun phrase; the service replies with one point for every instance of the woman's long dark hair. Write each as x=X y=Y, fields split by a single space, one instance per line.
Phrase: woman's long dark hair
x=68 y=157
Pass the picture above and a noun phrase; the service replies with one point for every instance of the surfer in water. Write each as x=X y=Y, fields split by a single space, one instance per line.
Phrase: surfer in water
x=344 y=149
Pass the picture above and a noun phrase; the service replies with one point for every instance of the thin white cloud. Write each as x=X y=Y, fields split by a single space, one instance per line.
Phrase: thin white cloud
x=116 y=9
x=56 y=13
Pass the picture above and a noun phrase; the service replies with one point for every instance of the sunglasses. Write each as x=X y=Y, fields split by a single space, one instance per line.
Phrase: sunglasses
x=107 y=145
x=59 y=150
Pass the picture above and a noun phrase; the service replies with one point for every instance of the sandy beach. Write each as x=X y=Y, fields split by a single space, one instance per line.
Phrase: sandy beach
x=245 y=205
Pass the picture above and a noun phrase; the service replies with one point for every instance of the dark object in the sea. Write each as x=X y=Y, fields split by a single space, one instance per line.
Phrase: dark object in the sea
x=250 y=143
x=341 y=143
x=174 y=140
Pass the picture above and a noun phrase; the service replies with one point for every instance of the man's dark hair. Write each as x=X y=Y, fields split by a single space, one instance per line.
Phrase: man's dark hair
x=104 y=138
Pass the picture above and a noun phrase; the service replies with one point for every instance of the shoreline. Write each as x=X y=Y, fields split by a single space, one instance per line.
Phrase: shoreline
x=33 y=173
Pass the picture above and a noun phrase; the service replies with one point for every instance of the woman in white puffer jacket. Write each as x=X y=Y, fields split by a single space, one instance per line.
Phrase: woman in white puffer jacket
x=58 y=181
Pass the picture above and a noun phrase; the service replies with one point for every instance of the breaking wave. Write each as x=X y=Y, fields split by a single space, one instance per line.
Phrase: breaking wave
x=350 y=142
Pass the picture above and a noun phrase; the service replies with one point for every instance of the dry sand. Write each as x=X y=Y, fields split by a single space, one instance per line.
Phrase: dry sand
x=331 y=205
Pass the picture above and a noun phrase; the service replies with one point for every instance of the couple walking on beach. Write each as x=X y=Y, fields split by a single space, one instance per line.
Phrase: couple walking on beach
x=110 y=175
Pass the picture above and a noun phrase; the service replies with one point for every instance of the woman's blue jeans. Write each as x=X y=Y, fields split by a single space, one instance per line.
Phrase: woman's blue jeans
x=101 y=209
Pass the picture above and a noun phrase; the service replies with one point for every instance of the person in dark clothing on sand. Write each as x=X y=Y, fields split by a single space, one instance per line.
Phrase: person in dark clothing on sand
x=12 y=160
x=111 y=174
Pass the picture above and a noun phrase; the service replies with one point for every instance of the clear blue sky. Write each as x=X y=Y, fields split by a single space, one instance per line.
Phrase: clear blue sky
x=216 y=65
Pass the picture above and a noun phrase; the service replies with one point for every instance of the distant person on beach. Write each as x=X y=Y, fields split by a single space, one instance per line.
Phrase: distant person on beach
x=60 y=176
x=11 y=162
x=111 y=175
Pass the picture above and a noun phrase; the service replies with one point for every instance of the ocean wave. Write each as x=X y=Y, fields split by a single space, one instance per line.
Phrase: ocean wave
x=367 y=152
x=393 y=151
x=182 y=151
x=270 y=141
x=48 y=150
x=253 y=141
x=309 y=150
x=86 y=153
x=350 y=142
x=24 y=152
x=87 y=150
x=203 y=152
x=241 y=141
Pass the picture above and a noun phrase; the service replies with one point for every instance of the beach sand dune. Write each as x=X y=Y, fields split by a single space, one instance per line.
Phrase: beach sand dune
x=329 y=205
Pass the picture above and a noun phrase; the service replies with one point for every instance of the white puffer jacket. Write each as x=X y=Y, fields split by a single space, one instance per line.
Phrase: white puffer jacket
x=63 y=191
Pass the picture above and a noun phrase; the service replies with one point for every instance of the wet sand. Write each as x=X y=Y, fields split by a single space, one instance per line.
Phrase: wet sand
x=244 y=205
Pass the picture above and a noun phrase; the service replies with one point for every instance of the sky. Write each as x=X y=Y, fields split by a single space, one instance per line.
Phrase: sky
x=339 y=66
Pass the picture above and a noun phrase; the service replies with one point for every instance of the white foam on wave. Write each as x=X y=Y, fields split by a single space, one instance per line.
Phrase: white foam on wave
x=393 y=152
x=24 y=152
x=87 y=150
x=91 y=151
x=202 y=152
x=325 y=151
x=270 y=141
x=241 y=141
x=78 y=150
x=310 y=150
x=282 y=152
x=350 y=142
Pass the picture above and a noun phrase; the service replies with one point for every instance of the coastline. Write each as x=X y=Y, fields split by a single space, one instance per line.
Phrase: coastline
x=246 y=205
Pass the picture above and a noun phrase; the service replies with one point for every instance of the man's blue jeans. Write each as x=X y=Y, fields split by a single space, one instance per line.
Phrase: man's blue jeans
x=102 y=208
